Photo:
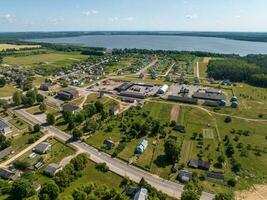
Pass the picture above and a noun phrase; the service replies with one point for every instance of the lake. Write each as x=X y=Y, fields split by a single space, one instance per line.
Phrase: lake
x=180 y=43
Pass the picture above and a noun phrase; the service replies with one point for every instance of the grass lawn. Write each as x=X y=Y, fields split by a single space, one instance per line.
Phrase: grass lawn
x=19 y=123
x=38 y=80
x=7 y=90
x=35 y=110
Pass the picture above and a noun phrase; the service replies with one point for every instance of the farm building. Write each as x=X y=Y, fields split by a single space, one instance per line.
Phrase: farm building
x=109 y=143
x=133 y=95
x=68 y=93
x=179 y=128
x=4 y=127
x=124 y=86
x=71 y=107
x=142 y=194
x=199 y=164
x=42 y=148
x=52 y=169
x=182 y=99
x=209 y=96
x=185 y=176
x=141 y=147
x=163 y=89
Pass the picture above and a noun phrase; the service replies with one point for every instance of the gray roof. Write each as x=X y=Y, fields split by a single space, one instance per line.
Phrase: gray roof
x=7 y=151
x=185 y=175
x=6 y=174
x=42 y=147
x=141 y=194
x=51 y=169
x=3 y=124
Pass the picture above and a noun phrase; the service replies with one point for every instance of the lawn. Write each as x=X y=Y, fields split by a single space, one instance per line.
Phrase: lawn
x=19 y=123
x=7 y=90
x=35 y=110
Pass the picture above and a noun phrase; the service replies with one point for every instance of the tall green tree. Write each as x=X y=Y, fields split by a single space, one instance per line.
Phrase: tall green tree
x=49 y=191
x=50 y=119
x=172 y=151
x=17 y=98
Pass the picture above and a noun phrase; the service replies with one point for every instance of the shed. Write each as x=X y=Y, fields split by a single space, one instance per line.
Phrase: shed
x=42 y=148
x=6 y=152
x=9 y=175
x=163 y=89
x=215 y=175
x=71 y=107
x=52 y=169
x=199 y=164
x=179 y=128
x=109 y=143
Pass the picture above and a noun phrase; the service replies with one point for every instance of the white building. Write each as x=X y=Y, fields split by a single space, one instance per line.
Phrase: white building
x=163 y=89
x=141 y=194
x=142 y=146
x=4 y=128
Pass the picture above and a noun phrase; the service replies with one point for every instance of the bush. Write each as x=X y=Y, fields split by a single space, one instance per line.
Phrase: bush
x=231 y=182
x=228 y=119
x=102 y=167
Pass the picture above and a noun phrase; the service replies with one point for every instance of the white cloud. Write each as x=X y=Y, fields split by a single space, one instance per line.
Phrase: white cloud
x=191 y=16
x=56 y=20
x=113 y=19
x=7 y=19
x=90 y=12
x=129 y=19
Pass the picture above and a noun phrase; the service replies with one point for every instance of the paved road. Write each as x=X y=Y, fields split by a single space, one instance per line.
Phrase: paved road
x=119 y=167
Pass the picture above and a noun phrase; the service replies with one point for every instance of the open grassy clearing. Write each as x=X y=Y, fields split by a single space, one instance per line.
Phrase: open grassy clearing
x=35 y=110
x=17 y=47
x=7 y=90
x=47 y=59
x=253 y=165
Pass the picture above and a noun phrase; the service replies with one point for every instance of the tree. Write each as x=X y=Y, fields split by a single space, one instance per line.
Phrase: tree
x=31 y=95
x=43 y=107
x=172 y=150
x=90 y=125
x=50 y=119
x=40 y=98
x=79 y=195
x=49 y=191
x=77 y=134
x=190 y=195
x=21 y=189
x=99 y=106
x=156 y=127
x=230 y=150
x=79 y=162
x=224 y=196
x=79 y=118
x=102 y=167
x=227 y=119
x=36 y=128
x=17 y=98
x=231 y=182
x=67 y=116
x=2 y=82
x=21 y=165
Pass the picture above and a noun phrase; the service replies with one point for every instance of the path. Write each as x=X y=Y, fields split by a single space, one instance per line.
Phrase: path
x=168 y=71
x=175 y=113
x=143 y=70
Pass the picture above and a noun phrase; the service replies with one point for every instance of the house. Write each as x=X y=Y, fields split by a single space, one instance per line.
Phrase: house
x=6 y=152
x=109 y=143
x=209 y=96
x=45 y=86
x=199 y=164
x=42 y=148
x=141 y=147
x=185 y=176
x=71 y=107
x=52 y=169
x=9 y=175
x=142 y=194
x=4 y=127
x=215 y=175
x=68 y=93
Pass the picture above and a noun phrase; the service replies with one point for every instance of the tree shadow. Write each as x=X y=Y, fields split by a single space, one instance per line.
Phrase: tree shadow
x=162 y=161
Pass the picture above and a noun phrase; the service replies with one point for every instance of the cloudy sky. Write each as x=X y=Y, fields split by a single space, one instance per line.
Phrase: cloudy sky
x=176 y=15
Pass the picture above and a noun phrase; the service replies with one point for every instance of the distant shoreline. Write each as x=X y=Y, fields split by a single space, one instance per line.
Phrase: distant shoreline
x=243 y=36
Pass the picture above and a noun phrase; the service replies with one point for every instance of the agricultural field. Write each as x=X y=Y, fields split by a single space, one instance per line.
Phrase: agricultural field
x=47 y=60
x=17 y=47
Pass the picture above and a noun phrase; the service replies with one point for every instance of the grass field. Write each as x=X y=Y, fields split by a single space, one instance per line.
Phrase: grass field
x=7 y=90
x=48 y=59
x=17 y=47
x=35 y=110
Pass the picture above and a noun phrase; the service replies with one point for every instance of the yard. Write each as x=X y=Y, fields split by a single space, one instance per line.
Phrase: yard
x=7 y=90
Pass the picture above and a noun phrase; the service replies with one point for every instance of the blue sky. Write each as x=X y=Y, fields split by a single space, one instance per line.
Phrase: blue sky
x=168 y=15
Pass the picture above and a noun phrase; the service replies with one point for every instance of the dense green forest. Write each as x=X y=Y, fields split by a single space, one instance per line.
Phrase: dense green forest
x=251 y=69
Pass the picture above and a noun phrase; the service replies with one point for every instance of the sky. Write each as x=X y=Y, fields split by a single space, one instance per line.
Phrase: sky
x=133 y=15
